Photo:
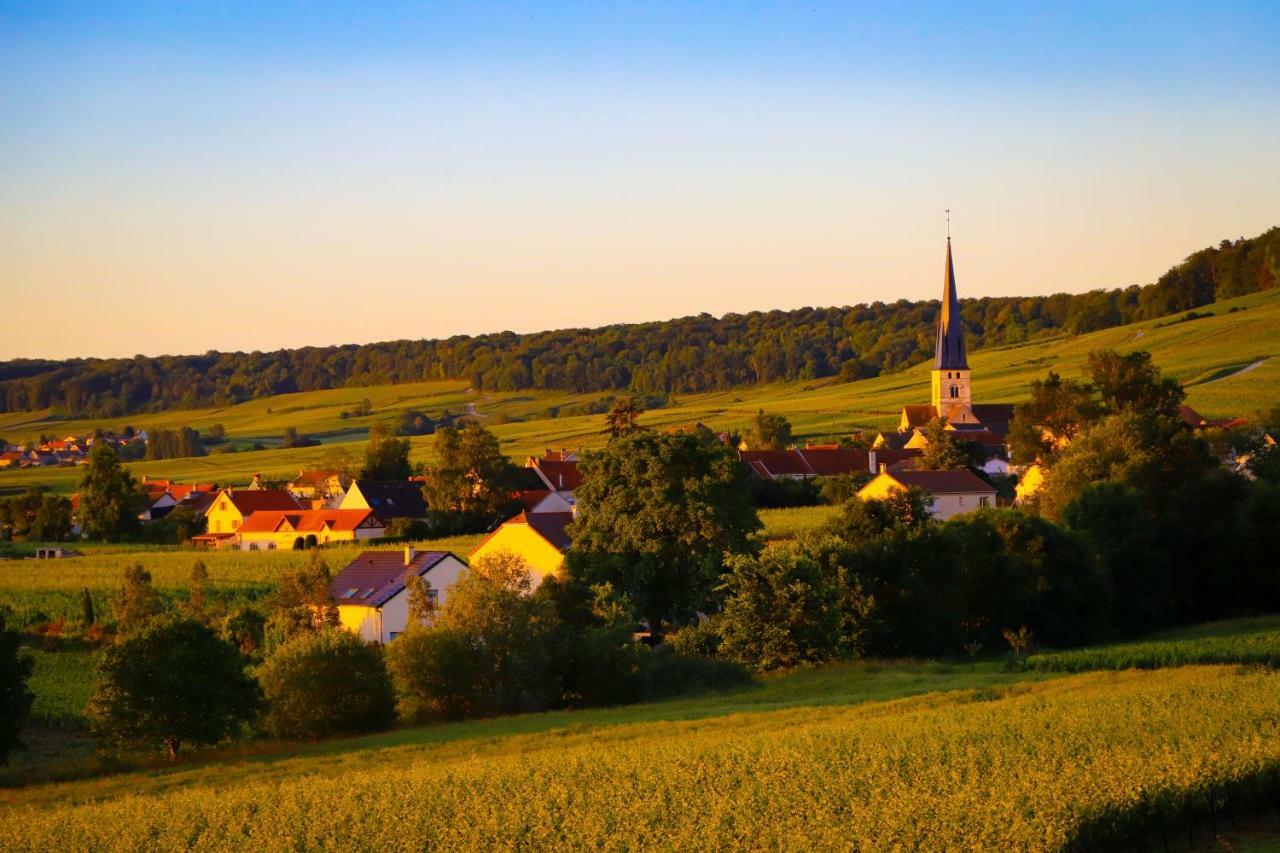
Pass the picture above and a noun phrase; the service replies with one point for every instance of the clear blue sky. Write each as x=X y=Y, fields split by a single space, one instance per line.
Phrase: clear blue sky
x=177 y=178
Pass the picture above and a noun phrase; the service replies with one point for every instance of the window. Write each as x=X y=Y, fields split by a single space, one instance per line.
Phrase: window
x=433 y=594
x=222 y=506
x=962 y=500
x=350 y=593
x=393 y=634
x=984 y=501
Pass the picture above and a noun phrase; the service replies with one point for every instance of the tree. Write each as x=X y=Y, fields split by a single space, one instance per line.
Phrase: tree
x=1132 y=383
x=138 y=602
x=422 y=604
x=470 y=476
x=780 y=610
x=486 y=651
x=861 y=521
x=657 y=516
x=1059 y=410
x=769 y=432
x=290 y=438
x=946 y=451
x=172 y=682
x=325 y=684
x=624 y=417
x=109 y=500
x=302 y=603
x=199 y=580
x=386 y=458
x=15 y=698
x=338 y=459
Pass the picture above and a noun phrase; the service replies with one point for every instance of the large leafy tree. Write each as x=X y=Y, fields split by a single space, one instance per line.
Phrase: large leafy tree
x=1059 y=410
x=658 y=514
x=1132 y=383
x=769 y=432
x=947 y=450
x=15 y=699
x=173 y=682
x=386 y=457
x=624 y=416
x=469 y=474
x=109 y=498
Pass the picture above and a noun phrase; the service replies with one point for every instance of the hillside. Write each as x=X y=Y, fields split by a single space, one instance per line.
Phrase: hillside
x=1207 y=354
x=684 y=355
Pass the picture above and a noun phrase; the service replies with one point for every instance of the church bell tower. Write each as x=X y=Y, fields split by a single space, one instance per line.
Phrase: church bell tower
x=950 y=380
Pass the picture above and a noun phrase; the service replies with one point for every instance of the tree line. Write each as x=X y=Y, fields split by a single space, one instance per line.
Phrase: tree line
x=689 y=354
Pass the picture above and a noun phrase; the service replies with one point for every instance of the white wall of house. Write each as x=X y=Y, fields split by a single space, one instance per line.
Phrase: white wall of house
x=388 y=622
x=946 y=506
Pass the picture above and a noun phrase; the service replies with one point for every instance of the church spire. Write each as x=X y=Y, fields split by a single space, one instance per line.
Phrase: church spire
x=950 y=353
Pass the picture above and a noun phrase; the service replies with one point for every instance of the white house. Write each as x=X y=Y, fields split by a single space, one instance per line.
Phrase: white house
x=953 y=492
x=371 y=592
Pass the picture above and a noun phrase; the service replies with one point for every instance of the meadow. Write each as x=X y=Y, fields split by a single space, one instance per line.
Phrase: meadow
x=1243 y=641
x=1206 y=354
x=1072 y=761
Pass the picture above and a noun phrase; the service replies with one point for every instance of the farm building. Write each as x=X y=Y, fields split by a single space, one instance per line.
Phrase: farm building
x=371 y=594
x=268 y=530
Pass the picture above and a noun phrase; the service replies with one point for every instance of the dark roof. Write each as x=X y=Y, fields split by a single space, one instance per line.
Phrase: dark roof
x=530 y=498
x=377 y=576
x=944 y=482
x=779 y=463
x=527 y=480
x=886 y=456
x=950 y=351
x=394 y=498
x=994 y=416
x=550 y=526
x=559 y=475
x=918 y=416
x=255 y=500
x=827 y=461
x=198 y=502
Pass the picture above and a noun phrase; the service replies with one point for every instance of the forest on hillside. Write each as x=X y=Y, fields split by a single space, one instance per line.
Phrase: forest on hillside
x=687 y=354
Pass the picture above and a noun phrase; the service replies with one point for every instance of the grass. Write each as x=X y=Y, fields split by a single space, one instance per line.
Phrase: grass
x=61 y=682
x=1251 y=641
x=1195 y=353
x=1027 y=764
x=780 y=524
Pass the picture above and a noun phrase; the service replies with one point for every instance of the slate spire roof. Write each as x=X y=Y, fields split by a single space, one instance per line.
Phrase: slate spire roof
x=950 y=353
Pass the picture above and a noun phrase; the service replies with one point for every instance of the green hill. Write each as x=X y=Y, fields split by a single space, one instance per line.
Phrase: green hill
x=1226 y=359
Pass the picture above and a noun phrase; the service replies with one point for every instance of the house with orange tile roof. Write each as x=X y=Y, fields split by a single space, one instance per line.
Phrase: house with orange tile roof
x=952 y=492
x=540 y=539
x=231 y=507
x=270 y=530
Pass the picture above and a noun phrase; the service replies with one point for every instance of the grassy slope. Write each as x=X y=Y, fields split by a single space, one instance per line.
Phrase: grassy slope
x=1195 y=352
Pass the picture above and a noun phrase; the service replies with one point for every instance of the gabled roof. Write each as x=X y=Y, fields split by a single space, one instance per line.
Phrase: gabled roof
x=199 y=502
x=994 y=416
x=526 y=480
x=949 y=354
x=779 y=463
x=828 y=461
x=558 y=474
x=944 y=482
x=307 y=520
x=256 y=500
x=393 y=498
x=312 y=478
x=549 y=525
x=918 y=416
x=888 y=456
x=530 y=498
x=379 y=576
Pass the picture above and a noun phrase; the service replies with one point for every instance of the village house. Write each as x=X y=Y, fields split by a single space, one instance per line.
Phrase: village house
x=952 y=492
x=390 y=499
x=318 y=489
x=539 y=539
x=820 y=461
x=371 y=592
x=231 y=507
x=269 y=530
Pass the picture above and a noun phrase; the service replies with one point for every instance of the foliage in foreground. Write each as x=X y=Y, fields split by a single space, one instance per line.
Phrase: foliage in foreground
x=15 y=698
x=1079 y=761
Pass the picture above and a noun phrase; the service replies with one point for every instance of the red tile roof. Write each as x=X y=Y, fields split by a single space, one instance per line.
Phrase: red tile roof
x=559 y=475
x=308 y=520
x=256 y=500
x=779 y=463
x=829 y=461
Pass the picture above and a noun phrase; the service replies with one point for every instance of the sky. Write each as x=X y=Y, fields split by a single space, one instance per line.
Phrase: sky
x=176 y=178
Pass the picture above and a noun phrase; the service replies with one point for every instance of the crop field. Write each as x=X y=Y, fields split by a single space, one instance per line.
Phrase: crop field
x=789 y=523
x=1206 y=354
x=1075 y=760
x=48 y=590
x=1252 y=641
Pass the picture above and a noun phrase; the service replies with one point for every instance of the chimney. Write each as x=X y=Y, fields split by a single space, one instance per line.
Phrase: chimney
x=881 y=467
x=408 y=555
x=871 y=461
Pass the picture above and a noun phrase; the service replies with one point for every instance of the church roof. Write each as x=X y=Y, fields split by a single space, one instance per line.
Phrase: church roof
x=950 y=353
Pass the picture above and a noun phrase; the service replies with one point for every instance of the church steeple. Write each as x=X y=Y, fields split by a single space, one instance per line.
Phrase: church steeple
x=950 y=352
x=951 y=393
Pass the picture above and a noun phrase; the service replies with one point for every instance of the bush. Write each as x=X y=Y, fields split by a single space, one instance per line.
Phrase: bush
x=172 y=681
x=675 y=674
x=325 y=684
x=434 y=673
x=15 y=699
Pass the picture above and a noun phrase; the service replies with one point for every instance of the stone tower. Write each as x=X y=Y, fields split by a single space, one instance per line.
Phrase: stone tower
x=950 y=379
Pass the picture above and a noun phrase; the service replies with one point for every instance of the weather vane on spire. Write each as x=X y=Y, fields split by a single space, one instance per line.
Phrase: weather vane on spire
x=948 y=223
